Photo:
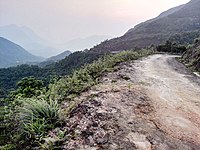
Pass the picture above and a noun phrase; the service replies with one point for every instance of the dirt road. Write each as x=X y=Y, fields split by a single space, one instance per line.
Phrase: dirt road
x=174 y=95
x=147 y=104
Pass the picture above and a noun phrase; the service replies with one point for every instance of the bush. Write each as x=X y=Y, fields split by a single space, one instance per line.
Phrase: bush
x=8 y=147
x=36 y=117
x=192 y=56
x=29 y=87
x=84 y=78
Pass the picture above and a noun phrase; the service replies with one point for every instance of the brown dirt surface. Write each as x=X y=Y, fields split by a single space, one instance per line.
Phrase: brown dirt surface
x=148 y=104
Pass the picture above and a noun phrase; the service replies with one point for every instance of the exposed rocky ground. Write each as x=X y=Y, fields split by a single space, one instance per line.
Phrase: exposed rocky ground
x=148 y=104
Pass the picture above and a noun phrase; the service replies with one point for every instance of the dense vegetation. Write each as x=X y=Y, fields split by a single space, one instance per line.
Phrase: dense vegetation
x=32 y=110
x=192 y=56
x=171 y=48
x=10 y=76
x=185 y=38
x=74 y=61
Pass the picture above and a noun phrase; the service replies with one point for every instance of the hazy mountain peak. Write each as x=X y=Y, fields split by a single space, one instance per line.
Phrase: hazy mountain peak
x=12 y=54
x=59 y=56
x=28 y=39
x=38 y=46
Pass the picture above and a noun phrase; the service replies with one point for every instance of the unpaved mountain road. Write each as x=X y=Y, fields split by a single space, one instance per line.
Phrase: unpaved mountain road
x=175 y=97
x=148 y=104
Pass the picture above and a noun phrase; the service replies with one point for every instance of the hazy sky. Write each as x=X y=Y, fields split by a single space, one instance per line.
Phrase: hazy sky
x=62 y=20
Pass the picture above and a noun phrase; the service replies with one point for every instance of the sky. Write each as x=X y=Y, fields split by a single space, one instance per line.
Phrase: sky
x=63 y=20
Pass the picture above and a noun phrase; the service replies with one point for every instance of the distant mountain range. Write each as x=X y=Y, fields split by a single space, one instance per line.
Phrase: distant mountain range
x=182 y=21
x=54 y=59
x=12 y=54
x=36 y=45
x=59 y=56
x=84 y=43
x=28 y=39
x=181 y=24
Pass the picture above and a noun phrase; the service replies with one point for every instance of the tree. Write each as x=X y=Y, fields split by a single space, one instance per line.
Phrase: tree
x=29 y=87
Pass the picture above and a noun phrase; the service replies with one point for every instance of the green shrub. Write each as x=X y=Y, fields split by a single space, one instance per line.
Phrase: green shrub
x=192 y=56
x=36 y=117
x=28 y=87
x=8 y=147
x=84 y=78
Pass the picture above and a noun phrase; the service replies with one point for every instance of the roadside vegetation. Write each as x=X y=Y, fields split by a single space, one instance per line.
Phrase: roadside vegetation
x=32 y=110
x=171 y=47
x=192 y=56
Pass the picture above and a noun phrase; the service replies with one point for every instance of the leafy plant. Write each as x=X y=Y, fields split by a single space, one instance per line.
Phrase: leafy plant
x=8 y=147
x=29 y=87
x=36 y=117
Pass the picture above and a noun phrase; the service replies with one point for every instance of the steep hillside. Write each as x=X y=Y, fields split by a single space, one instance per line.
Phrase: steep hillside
x=192 y=56
x=65 y=88
x=12 y=54
x=179 y=20
x=54 y=59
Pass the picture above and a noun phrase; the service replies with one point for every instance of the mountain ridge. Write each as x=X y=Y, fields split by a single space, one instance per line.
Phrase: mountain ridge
x=59 y=56
x=28 y=39
x=41 y=47
x=12 y=54
x=182 y=19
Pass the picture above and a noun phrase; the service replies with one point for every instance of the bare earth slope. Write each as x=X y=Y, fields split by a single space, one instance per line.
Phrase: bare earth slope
x=153 y=103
